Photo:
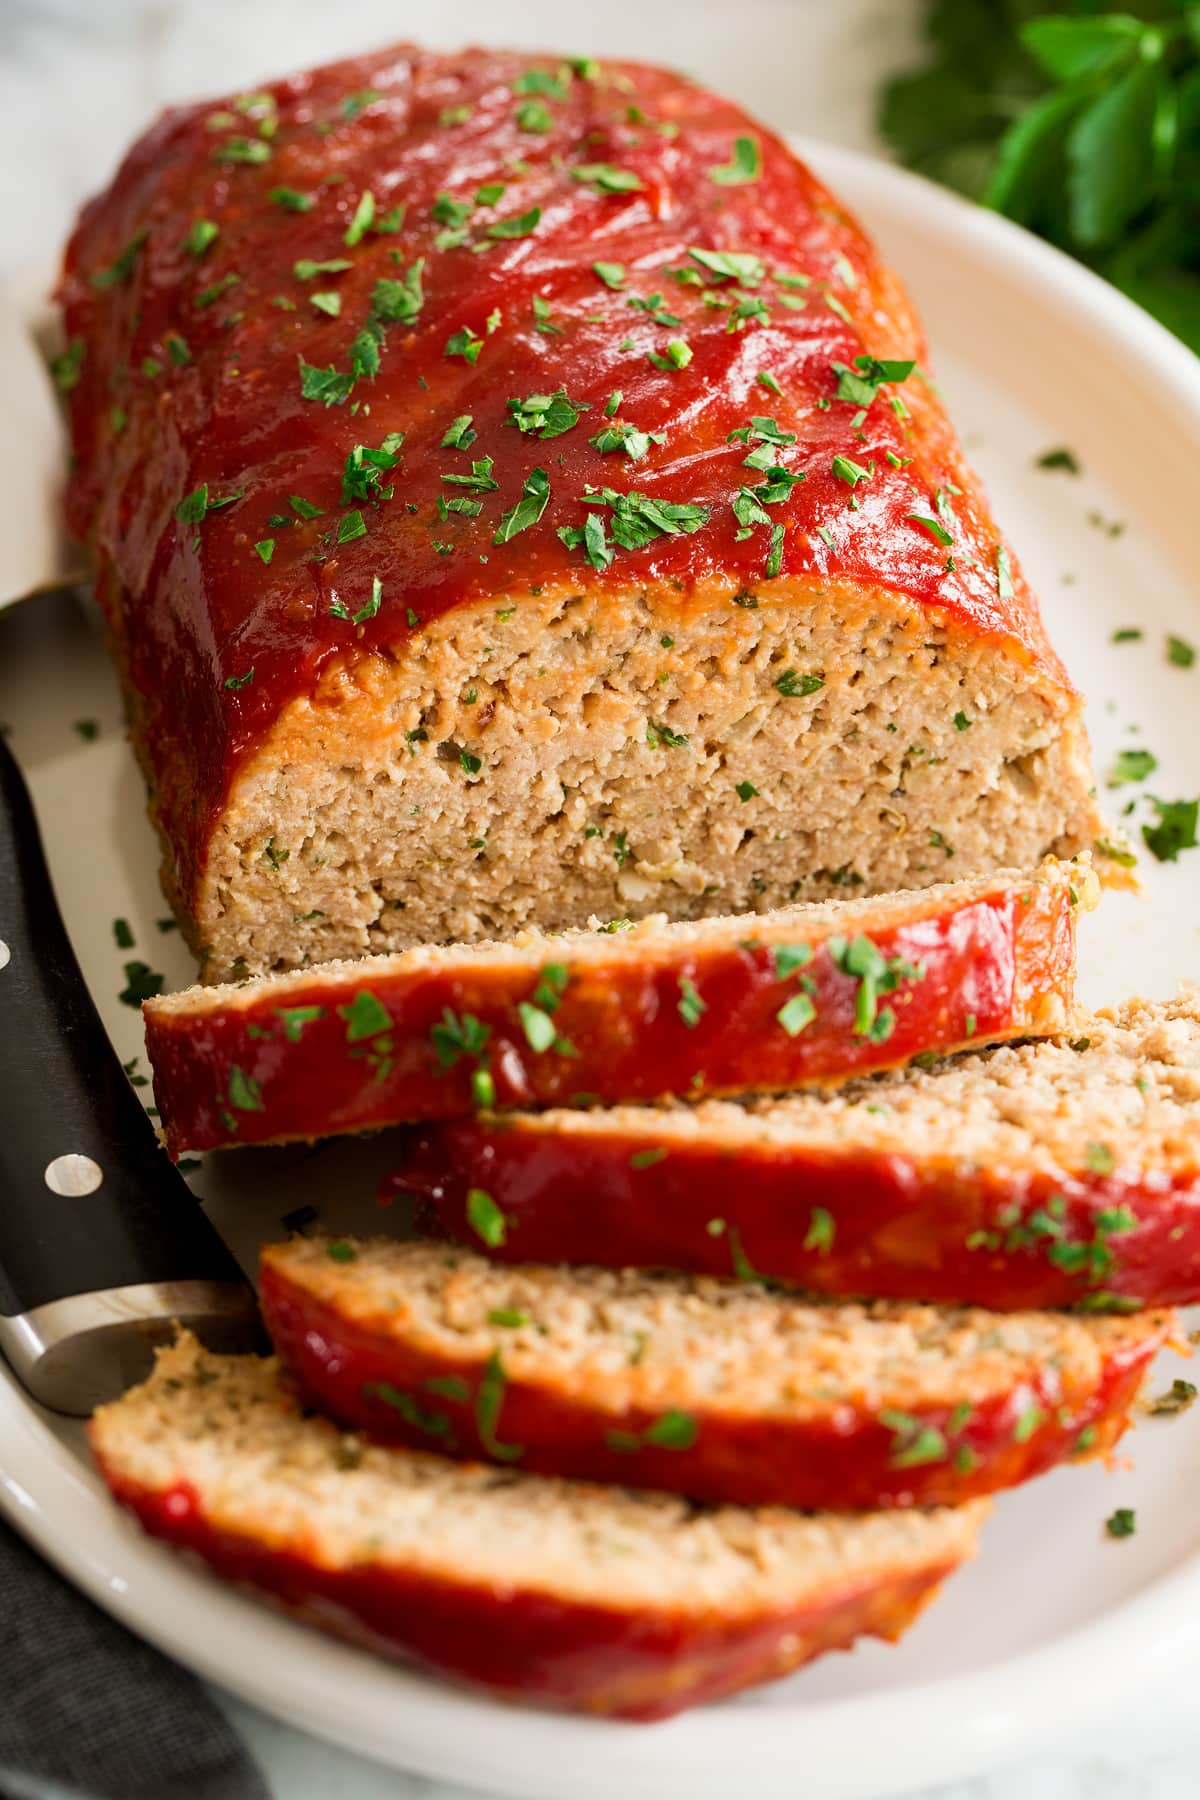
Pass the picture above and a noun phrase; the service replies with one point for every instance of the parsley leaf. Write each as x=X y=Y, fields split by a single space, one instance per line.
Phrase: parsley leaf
x=535 y=492
x=745 y=164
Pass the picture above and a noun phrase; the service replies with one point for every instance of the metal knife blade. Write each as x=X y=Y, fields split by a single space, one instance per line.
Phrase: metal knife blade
x=102 y=1243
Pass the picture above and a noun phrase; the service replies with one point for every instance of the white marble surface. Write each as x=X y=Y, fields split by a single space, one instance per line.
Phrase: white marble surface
x=79 y=77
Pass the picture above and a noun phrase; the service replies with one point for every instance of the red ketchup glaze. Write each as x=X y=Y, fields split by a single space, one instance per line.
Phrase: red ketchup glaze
x=843 y=1458
x=245 y=1074
x=915 y=1227
x=521 y=1645
x=190 y=376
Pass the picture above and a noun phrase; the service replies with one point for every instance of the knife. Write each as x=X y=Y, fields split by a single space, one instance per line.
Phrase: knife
x=103 y=1246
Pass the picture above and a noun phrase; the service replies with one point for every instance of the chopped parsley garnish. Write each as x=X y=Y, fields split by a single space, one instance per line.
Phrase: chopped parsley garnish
x=541 y=81
x=673 y=1430
x=520 y=226
x=605 y=178
x=690 y=1006
x=679 y=355
x=365 y=1017
x=307 y=270
x=637 y=519
x=546 y=415
x=295 y=1018
x=178 y=349
x=242 y=150
x=795 y=1014
x=240 y=681
x=1178 y=1397
x=533 y=115
x=65 y=368
x=1175 y=830
x=459 y=435
x=365 y=467
x=202 y=234
x=465 y=343
x=1132 y=765
x=861 y=959
x=352 y=525
x=122 y=268
x=366 y=611
x=327 y=385
x=1122 y=1523
x=741 y=266
x=620 y=435
x=934 y=527
x=913 y=1444
x=488 y=1401
x=793 y=686
x=480 y=478
x=593 y=539
x=860 y=385
x=244 y=1093
x=291 y=199
x=661 y=736
x=453 y=1037
x=1061 y=458
x=847 y=470
x=194 y=506
x=745 y=164
x=961 y=722
x=207 y=295
x=326 y=301
x=364 y=216
x=535 y=492
x=485 y=1218
x=611 y=274
x=746 y=790
x=353 y=104
x=821 y=1231
x=1180 y=653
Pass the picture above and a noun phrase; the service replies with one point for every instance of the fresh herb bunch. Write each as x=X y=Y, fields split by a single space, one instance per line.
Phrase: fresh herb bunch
x=1083 y=124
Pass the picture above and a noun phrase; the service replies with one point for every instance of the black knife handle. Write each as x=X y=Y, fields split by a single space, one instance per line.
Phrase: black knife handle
x=63 y=1093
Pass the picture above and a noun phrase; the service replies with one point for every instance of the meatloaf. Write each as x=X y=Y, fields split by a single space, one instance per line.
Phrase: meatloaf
x=517 y=493
x=703 y=1387
x=811 y=994
x=1061 y=1173
x=595 y=1599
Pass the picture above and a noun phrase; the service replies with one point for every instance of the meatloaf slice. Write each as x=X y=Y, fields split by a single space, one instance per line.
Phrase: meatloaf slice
x=703 y=1387
x=504 y=515
x=598 y=1600
x=810 y=994
x=1049 y=1174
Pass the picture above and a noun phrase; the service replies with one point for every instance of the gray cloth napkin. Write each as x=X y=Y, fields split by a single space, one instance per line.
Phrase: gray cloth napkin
x=89 y=1712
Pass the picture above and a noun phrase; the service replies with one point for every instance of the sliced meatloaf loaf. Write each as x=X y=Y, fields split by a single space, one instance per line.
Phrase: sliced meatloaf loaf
x=1049 y=1174
x=811 y=994
x=516 y=494
x=599 y=1600
x=703 y=1387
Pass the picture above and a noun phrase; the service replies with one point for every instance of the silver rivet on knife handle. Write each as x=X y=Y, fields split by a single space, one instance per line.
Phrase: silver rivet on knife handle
x=74 y=1354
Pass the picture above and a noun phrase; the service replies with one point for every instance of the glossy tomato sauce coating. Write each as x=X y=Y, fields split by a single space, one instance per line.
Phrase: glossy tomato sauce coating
x=563 y=1655
x=247 y=247
x=303 y=1056
x=912 y=1226
x=375 y=1377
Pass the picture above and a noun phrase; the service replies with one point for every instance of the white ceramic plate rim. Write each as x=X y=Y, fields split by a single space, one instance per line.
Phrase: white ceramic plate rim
x=888 y=1740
